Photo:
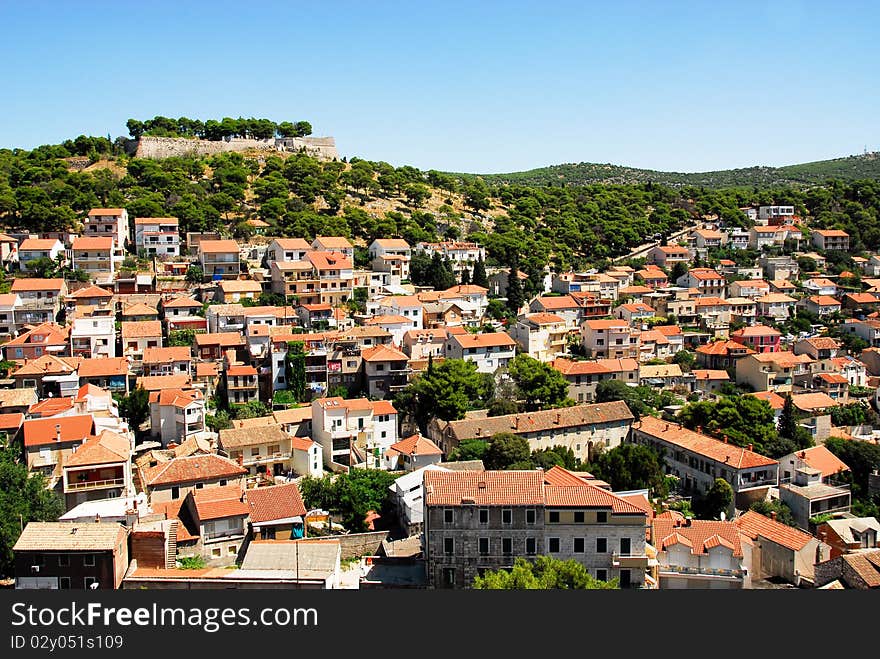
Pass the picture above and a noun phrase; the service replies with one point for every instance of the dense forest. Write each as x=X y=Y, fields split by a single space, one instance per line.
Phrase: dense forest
x=213 y=129
x=850 y=168
x=520 y=225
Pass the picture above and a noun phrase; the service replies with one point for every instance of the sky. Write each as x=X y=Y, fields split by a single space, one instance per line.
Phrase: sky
x=481 y=86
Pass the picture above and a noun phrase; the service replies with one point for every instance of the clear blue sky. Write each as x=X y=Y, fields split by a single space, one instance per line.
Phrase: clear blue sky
x=477 y=86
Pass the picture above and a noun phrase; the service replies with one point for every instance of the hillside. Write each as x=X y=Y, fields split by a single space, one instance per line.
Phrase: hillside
x=851 y=168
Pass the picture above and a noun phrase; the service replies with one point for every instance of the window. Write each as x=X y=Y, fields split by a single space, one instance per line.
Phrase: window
x=64 y=560
x=553 y=546
x=64 y=583
x=602 y=575
x=579 y=517
x=199 y=486
x=602 y=518
x=447 y=516
x=448 y=577
x=507 y=546
x=448 y=546
x=601 y=545
x=175 y=492
x=484 y=515
x=531 y=546
x=215 y=553
x=232 y=550
x=88 y=581
x=530 y=516
x=554 y=516
x=89 y=560
x=625 y=546
x=484 y=546
x=506 y=516
x=255 y=451
x=578 y=546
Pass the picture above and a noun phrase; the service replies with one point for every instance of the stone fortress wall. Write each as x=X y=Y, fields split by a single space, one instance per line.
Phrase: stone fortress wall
x=323 y=148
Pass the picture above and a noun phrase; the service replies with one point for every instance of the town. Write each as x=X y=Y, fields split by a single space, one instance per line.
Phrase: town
x=218 y=413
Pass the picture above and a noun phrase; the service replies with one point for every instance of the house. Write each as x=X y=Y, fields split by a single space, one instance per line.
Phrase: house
x=408 y=493
x=820 y=286
x=174 y=360
x=411 y=454
x=780 y=551
x=820 y=305
x=738 y=238
x=49 y=442
x=212 y=346
x=750 y=288
x=93 y=337
x=851 y=369
x=542 y=336
x=96 y=256
x=517 y=514
x=8 y=304
x=697 y=554
x=70 y=556
x=334 y=244
x=782 y=286
x=708 y=238
x=287 y=249
x=49 y=375
x=634 y=313
x=635 y=293
x=44 y=339
x=709 y=381
x=221 y=516
x=261 y=449
x=391 y=255
x=563 y=306
x=653 y=278
x=335 y=275
x=467 y=296
x=489 y=351
x=817 y=347
x=236 y=290
x=40 y=300
x=99 y=468
x=139 y=336
x=833 y=385
x=850 y=535
x=714 y=313
x=765 y=236
x=108 y=222
x=583 y=377
x=613 y=339
x=242 y=384
x=697 y=460
x=32 y=249
x=219 y=259
x=779 y=267
x=860 y=571
x=831 y=468
x=17 y=401
x=105 y=372
x=773 y=371
x=655 y=345
x=808 y=497
x=421 y=344
x=827 y=239
x=660 y=375
x=176 y=477
x=157 y=236
x=760 y=338
x=176 y=415
x=775 y=305
x=707 y=282
x=461 y=255
x=386 y=370
x=775 y=215
x=863 y=303
x=276 y=512
x=138 y=312
x=581 y=428
x=183 y=313
x=668 y=255
x=316 y=317
x=867 y=330
x=343 y=426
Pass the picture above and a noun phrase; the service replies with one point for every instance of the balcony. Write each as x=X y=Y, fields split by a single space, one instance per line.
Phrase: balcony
x=223 y=535
x=80 y=486
x=632 y=560
x=706 y=572
x=264 y=459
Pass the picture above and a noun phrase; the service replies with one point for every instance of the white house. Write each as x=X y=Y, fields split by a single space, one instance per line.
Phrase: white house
x=489 y=351
x=159 y=236
x=93 y=337
x=32 y=249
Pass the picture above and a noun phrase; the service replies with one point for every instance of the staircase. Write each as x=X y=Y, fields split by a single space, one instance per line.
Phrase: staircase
x=171 y=555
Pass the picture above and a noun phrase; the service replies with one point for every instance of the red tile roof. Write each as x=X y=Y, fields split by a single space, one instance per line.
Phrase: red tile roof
x=485 y=340
x=169 y=354
x=274 y=502
x=90 y=292
x=416 y=445
x=220 y=502
x=218 y=246
x=108 y=448
x=102 y=243
x=819 y=457
x=587 y=495
x=43 y=432
x=141 y=329
x=754 y=524
x=102 y=367
x=21 y=284
x=156 y=382
x=191 y=469
x=383 y=353
x=700 y=535
x=488 y=488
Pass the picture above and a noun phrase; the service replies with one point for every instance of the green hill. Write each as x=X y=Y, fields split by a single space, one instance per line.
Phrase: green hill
x=851 y=168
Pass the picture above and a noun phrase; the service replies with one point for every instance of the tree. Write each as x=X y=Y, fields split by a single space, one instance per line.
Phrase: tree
x=561 y=456
x=417 y=194
x=685 y=359
x=631 y=467
x=295 y=369
x=545 y=573
x=502 y=406
x=505 y=450
x=769 y=507
x=194 y=274
x=465 y=277
x=861 y=457
x=184 y=337
x=350 y=495
x=743 y=419
x=135 y=407
x=479 y=278
x=470 y=449
x=539 y=384
x=23 y=498
x=445 y=391
x=716 y=501
x=249 y=410
x=515 y=295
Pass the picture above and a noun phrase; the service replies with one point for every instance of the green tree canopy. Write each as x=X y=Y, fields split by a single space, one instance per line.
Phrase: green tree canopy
x=631 y=467
x=715 y=501
x=539 y=384
x=743 y=419
x=546 y=573
x=505 y=450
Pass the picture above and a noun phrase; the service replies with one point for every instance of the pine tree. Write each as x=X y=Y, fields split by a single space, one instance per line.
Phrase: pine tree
x=515 y=295
x=465 y=277
x=479 y=278
x=787 y=423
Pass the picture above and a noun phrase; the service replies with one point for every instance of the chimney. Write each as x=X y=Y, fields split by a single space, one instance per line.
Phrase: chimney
x=516 y=422
x=558 y=418
x=751 y=446
x=725 y=439
x=240 y=459
x=57 y=432
x=773 y=515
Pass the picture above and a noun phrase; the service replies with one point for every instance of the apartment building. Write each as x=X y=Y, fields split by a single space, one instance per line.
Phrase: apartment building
x=488 y=351
x=343 y=427
x=542 y=336
x=157 y=236
x=614 y=339
x=219 y=259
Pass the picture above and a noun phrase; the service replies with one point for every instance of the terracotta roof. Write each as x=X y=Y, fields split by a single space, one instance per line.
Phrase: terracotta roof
x=485 y=340
x=709 y=374
x=774 y=298
x=181 y=398
x=169 y=354
x=862 y=298
x=866 y=565
x=833 y=378
x=274 y=502
x=48 y=365
x=139 y=309
x=219 y=338
x=51 y=406
x=569 y=367
x=21 y=284
x=819 y=457
x=383 y=353
x=11 y=421
x=416 y=445
x=831 y=233
x=775 y=401
x=487 y=488
x=635 y=307
x=241 y=369
x=90 y=292
x=191 y=469
x=668 y=330
x=43 y=432
x=813 y=402
x=156 y=382
x=67 y=536
x=823 y=343
x=38 y=244
x=180 y=302
x=527 y=422
x=820 y=282
x=587 y=495
x=333 y=242
x=710 y=301
x=756 y=525
x=292 y=243
x=605 y=324
x=673 y=249
x=301 y=443
x=141 y=329
x=107 y=448
x=824 y=301
x=219 y=502
x=238 y=437
x=557 y=303
x=103 y=367
x=557 y=475
x=156 y=220
x=729 y=454
x=101 y=243
x=383 y=407
x=756 y=331
x=329 y=260
x=387 y=319
x=105 y=211
x=206 y=369
x=54 y=335
x=240 y=286
x=392 y=243
x=293 y=414
x=218 y=246
x=700 y=535
x=635 y=290
x=705 y=274
x=723 y=348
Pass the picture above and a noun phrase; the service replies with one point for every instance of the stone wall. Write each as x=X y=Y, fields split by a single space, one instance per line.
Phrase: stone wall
x=323 y=148
x=355 y=544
